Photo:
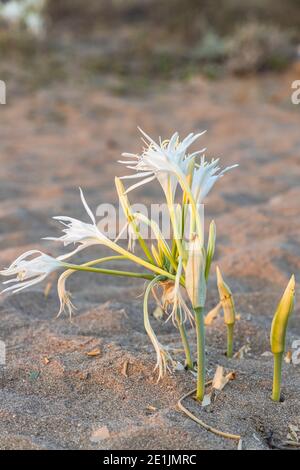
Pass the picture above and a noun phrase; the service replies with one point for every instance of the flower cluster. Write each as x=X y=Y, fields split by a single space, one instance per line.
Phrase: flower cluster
x=180 y=266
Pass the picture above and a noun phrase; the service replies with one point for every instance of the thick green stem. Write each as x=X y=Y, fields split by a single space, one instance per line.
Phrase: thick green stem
x=185 y=342
x=230 y=329
x=199 y=319
x=277 y=376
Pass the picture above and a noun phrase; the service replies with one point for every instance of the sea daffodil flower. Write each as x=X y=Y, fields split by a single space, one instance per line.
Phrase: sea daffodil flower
x=162 y=161
x=30 y=271
x=205 y=176
x=76 y=231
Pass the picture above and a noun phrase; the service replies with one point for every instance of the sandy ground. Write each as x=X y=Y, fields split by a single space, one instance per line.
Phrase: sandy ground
x=58 y=139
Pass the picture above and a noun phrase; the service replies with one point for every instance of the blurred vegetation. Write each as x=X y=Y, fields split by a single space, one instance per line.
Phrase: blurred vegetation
x=142 y=41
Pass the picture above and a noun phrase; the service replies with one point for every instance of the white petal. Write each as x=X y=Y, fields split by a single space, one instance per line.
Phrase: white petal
x=90 y=213
x=137 y=175
x=129 y=155
x=140 y=183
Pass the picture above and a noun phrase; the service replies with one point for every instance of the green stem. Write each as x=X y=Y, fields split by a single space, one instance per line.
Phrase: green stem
x=230 y=328
x=185 y=342
x=137 y=260
x=112 y=272
x=199 y=319
x=277 y=376
x=170 y=203
x=145 y=248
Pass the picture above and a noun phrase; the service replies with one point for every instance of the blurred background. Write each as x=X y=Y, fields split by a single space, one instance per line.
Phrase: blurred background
x=126 y=45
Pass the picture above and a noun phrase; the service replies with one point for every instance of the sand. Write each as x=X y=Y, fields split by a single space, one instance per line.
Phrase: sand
x=52 y=394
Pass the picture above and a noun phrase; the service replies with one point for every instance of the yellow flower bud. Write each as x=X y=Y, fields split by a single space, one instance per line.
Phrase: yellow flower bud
x=281 y=317
x=226 y=299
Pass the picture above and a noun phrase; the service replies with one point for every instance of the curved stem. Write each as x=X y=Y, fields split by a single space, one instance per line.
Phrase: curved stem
x=277 y=376
x=112 y=272
x=199 y=320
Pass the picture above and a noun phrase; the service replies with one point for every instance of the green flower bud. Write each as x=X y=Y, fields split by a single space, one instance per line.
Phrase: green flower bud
x=210 y=247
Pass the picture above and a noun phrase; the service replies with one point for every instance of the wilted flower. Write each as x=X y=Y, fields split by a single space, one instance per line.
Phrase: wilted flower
x=163 y=161
x=30 y=271
x=63 y=294
x=172 y=301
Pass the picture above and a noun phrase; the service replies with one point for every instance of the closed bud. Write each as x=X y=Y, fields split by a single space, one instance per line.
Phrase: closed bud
x=226 y=299
x=210 y=247
x=123 y=199
x=281 y=317
x=195 y=282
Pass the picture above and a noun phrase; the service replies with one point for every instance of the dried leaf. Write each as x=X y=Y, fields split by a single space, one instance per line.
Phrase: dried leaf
x=296 y=357
x=240 y=354
x=94 y=352
x=212 y=315
x=179 y=366
x=47 y=289
x=158 y=313
x=288 y=357
x=151 y=408
x=125 y=368
x=46 y=360
x=267 y=354
x=100 y=434
x=206 y=400
x=220 y=380
x=296 y=344
x=294 y=433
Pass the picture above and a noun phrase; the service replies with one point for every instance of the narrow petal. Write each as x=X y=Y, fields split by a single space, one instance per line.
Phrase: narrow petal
x=137 y=175
x=140 y=183
x=90 y=213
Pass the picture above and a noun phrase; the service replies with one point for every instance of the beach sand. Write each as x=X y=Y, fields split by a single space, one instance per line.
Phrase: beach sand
x=52 y=394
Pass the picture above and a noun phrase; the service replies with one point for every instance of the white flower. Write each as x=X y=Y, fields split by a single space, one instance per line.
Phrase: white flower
x=163 y=161
x=205 y=176
x=30 y=271
x=80 y=232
